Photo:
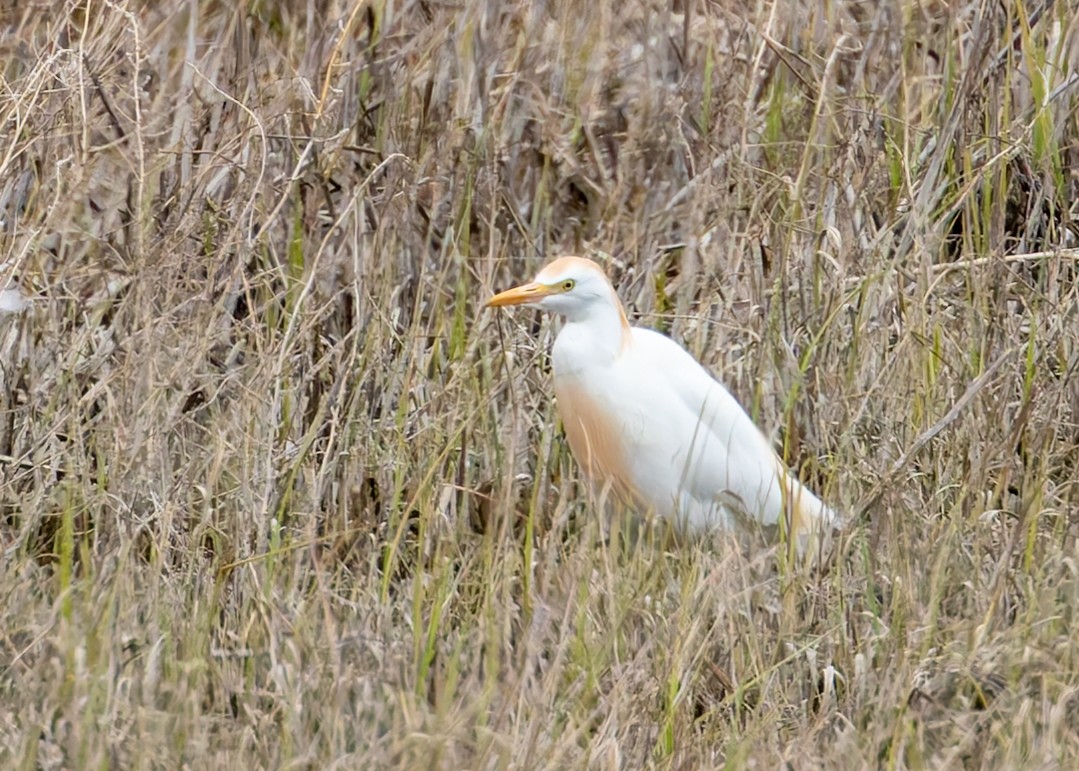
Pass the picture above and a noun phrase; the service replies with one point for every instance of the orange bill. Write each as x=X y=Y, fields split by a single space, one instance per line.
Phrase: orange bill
x=520 y=295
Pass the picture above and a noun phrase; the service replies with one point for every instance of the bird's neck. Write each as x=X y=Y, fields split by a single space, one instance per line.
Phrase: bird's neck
x=597 y=334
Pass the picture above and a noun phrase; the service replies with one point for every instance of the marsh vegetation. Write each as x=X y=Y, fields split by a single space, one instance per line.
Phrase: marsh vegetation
x=275 y=490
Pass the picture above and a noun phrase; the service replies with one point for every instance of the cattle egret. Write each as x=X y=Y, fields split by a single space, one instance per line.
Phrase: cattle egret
x=12 y=299
x=645 y=419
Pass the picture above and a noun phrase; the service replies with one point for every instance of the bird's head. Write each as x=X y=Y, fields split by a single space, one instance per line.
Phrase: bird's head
x=570 y=286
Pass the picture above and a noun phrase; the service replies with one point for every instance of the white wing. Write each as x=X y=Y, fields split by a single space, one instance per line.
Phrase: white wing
x=723 y=454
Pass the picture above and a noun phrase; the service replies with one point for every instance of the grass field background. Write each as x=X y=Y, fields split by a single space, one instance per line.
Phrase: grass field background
x=277 y=491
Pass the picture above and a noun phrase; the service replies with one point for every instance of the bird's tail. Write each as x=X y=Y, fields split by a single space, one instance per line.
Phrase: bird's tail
x=810 y=523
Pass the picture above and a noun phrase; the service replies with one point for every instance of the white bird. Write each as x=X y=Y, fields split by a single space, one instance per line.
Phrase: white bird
x=12 y=299
x=643 y=417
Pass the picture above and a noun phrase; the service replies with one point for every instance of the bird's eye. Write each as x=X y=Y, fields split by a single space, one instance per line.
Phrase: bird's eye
x=568 y=284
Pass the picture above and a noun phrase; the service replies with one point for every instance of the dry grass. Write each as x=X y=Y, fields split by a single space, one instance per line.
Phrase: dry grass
x=277 y=492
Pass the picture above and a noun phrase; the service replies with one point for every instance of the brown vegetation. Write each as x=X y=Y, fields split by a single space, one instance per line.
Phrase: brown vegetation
x=277 y=492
